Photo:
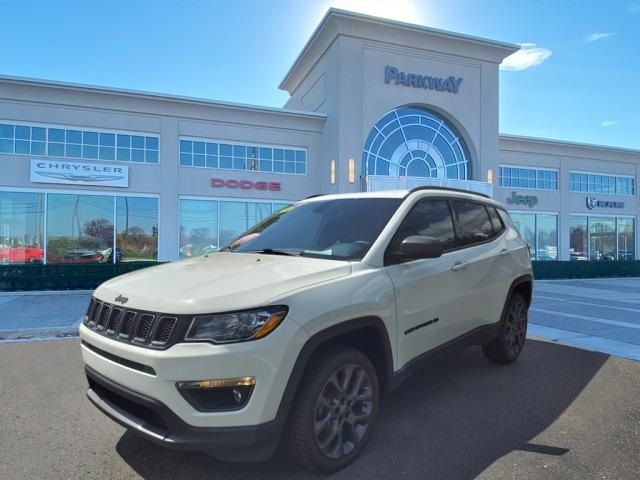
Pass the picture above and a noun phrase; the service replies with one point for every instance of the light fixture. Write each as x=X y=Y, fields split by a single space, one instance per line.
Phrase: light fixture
x=352 y=170
x=333 y=172
x=489 y=176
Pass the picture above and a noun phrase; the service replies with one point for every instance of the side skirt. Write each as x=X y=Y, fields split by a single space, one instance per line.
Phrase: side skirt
x=478 y=336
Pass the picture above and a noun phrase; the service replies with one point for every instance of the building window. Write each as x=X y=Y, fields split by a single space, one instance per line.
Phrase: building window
x=259 y=158
x=415 y=142
x=21 y=227
x=601 y=238
x=78 y=143
x=533 y=178
x=206 y=225
x=136 y=229
x=540 y=230
x=78 y=228
x=602 y=184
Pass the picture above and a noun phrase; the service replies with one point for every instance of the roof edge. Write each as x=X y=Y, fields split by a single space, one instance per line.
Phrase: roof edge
x=156 y=96
x=567 y=143
x=337 y=12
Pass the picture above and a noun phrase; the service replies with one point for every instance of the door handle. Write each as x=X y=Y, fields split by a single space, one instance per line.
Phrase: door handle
x=458 y=266
x=504 y=252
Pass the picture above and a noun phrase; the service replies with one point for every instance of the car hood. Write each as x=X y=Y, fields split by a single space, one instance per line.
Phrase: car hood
x=219 y=282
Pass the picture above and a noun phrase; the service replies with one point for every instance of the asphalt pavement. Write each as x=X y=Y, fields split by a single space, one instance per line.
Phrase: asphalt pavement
x=558 y=413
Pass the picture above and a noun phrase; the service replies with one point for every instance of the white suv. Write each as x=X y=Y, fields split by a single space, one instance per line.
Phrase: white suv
x=295 y=329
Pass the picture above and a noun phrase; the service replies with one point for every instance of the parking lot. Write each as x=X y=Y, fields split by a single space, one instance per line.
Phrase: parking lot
x=560 y=412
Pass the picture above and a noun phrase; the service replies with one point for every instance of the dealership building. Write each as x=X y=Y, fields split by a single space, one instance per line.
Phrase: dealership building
x=95 y=174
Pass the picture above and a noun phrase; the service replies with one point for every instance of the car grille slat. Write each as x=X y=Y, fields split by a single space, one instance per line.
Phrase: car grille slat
x=144 y=326
x=103 y=316
x=141 y=328
x=164 y=330
x=114 y=320
x=127 y=324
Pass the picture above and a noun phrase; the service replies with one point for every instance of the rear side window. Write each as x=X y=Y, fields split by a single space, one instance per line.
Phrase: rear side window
x=429 y=218
x=474 y=223
x=496 y=222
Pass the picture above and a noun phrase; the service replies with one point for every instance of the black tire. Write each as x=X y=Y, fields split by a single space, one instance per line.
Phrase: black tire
x=324 y=414
x=506 y=348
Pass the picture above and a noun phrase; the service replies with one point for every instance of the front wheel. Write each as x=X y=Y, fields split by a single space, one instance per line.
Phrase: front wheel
x=506 y=348
x=335 y=412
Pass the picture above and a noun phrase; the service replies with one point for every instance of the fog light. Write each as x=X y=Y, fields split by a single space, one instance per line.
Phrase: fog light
x=217 y=394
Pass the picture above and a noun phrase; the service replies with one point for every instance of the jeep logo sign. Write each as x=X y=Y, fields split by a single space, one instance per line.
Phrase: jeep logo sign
x=528 y=200
x=245 y=184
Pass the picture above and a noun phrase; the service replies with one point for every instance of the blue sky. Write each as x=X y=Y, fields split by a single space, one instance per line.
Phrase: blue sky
x=577 y=80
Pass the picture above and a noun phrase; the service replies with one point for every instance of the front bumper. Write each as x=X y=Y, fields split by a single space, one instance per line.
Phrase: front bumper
x=156 y=422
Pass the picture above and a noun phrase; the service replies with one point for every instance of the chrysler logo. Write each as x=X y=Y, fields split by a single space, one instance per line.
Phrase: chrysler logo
x=81 y=178
x=121 y=299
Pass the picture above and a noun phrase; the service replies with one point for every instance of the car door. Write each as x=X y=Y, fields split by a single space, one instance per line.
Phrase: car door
x=480 y=277
x=426 y=295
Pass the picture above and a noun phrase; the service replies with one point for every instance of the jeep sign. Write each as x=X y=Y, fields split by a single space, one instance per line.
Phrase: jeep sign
x=528 y=200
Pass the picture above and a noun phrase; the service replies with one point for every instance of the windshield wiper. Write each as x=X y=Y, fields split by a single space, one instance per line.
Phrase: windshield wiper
x=275 y=251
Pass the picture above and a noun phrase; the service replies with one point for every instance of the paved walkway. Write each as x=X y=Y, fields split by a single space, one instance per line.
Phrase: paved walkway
x=596 y=314
x=29 y=315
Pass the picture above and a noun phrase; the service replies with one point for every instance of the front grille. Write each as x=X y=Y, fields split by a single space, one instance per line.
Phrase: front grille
x=145 y=415
x=149 y=329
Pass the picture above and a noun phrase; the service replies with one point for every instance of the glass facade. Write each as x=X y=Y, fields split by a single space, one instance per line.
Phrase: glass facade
x=603 y=184
x=78 y=143
x=21 y=227
x=77 y=228
x=260 y=158
x=601 y=238
x=206 y=225
x=540 y=230
x=415 y=142
x=533 y=178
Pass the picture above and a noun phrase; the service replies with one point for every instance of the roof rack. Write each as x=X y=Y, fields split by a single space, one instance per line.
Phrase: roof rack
x=447 y=189
x=314 y=196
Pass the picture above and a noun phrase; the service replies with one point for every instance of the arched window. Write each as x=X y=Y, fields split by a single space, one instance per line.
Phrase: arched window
x=415 y=142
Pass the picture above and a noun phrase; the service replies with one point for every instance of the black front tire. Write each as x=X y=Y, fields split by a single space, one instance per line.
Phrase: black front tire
x=506 y=348
x=336 y=408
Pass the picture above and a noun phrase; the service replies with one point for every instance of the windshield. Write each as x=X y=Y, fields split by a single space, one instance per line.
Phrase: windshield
x=341 y=229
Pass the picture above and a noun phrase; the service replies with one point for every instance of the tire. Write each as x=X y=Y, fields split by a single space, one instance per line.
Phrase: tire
x=329 y=424
x=506 y=348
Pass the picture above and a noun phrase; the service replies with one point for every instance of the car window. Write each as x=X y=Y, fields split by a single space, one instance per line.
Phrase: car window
x=341 y=229
x=430 y=218
x=474 y=224
x=496 y=222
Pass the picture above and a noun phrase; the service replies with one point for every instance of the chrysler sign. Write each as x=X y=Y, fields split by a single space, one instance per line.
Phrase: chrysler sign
x=449 y=84
x=245 y=184
x=75 y=173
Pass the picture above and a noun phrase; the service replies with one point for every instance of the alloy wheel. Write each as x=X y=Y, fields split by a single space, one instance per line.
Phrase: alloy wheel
x=516 y=327
x=343 y=411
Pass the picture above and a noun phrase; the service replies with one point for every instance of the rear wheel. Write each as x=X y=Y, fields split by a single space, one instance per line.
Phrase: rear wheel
x=335 y=411
x=506 y=348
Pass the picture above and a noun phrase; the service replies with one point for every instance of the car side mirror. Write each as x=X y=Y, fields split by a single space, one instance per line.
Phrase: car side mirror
x=418 y=246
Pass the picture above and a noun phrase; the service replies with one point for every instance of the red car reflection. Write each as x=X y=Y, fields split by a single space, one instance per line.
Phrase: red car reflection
x=25 y=254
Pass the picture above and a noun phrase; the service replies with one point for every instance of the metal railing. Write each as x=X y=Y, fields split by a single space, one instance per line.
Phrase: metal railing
x=376 y=183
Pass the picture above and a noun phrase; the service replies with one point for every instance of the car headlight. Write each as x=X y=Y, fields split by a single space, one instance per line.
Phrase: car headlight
x=236 y=326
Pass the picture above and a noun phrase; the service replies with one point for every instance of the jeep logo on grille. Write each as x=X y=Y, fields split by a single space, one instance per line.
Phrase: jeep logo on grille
x=121 y=299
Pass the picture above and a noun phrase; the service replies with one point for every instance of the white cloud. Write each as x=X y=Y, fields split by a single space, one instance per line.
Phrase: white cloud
x=594 y=37
x=528 y=56
x=608 y=123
